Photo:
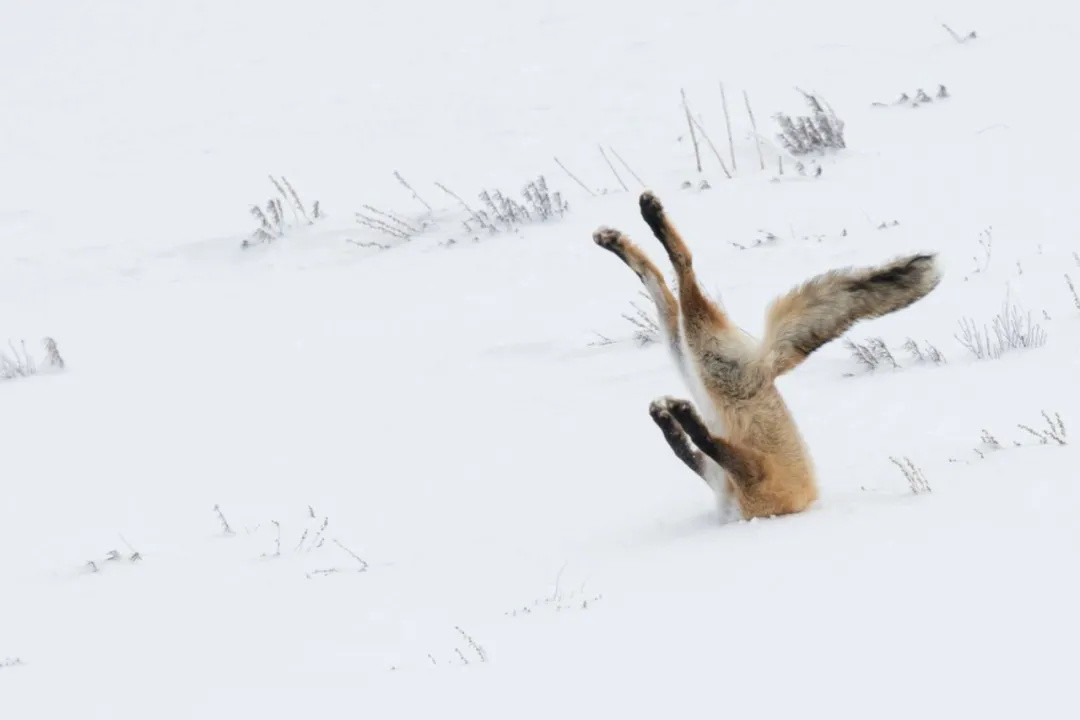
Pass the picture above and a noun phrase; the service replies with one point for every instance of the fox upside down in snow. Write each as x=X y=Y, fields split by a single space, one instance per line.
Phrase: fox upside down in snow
x=761 y=460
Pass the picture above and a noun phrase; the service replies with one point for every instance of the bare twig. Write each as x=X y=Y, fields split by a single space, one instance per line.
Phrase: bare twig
x=477 y=217
x=377 y=224
x=317 y=541
x=365 y=244
x=296 y=199
x=392 y=217
x=713 y=147
x=409 y=187
x=224 y=523
x=628 y=168
x=457 y=197
x=757 y=138
x=1072 y=289
x=574 y=178
x=354 y=556
x=693 y=135
x=613 y=171
x=955 y=36
x=601 y=341
x=727 y=123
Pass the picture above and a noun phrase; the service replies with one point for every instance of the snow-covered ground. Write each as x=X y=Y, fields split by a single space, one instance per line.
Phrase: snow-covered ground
x=444 y=497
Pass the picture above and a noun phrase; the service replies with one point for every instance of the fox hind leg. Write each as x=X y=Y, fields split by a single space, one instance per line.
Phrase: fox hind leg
x=699 y=311
x=666 y=305
x=652 y=212
x=725 y=362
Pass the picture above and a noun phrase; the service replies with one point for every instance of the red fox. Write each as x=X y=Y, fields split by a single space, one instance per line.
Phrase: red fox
x=747 y=446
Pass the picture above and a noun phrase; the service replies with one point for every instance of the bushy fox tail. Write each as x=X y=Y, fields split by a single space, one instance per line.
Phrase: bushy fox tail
x=825 y=306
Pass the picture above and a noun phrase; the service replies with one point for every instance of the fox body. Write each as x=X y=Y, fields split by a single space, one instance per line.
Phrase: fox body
x=741 y=438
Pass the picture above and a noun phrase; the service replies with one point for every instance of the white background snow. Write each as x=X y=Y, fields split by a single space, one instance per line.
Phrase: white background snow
x=441 y=408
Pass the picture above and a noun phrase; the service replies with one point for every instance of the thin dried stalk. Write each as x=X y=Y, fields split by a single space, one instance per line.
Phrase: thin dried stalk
x=575 y=178
x=613 y=171
x=628 y=168
x=727 y=123
x=693 y=136
x=757 y=138
x=715 y=151
x=416 y=196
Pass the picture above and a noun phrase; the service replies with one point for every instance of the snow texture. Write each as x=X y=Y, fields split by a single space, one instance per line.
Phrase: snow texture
x=437 y=493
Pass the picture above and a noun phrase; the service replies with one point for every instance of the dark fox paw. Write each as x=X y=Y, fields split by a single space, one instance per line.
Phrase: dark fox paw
x=607 y=237
x=658 y=412
x=652 y=212
x=682 y=410
x=661 y=415
x=611 y=239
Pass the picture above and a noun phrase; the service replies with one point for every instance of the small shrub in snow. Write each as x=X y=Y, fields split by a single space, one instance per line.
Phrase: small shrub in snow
x=481 y=654
x=1053 y=432
x=646 y=331
x=273 y=216
x=114 y=556
x=502 y=213
x=11 y=662
x=557 y=603
x=874 y=353
x=914 y=475
x=601 y=340
x=929 y=353
x=817 y=132
x=311 y=539
x=989 y=441
x=473 y=650
x=16 y=364
x=765 y=239
x=17 y=361
x=52 y=353
x=1010 y=329
x=921 y=98
x=986 y=242
x=499 y=212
